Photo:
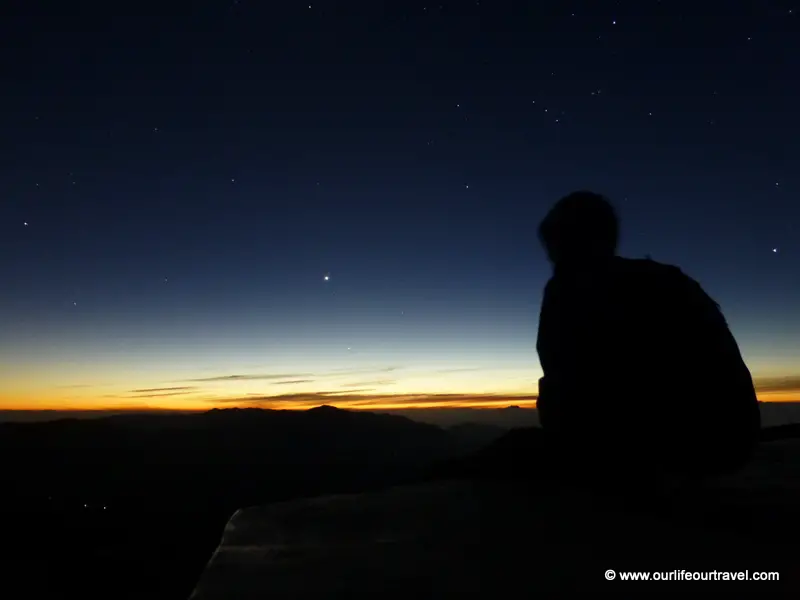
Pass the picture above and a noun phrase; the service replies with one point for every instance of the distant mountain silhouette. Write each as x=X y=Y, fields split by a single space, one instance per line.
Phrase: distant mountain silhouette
x=473 y=436
x=250 y=455
x=144 y=497
x=506 y=417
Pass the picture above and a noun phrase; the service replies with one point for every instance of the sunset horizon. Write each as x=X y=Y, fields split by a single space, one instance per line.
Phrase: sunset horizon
x=190 y=398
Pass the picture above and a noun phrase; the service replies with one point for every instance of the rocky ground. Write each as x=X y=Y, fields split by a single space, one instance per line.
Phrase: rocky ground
x=498 y=538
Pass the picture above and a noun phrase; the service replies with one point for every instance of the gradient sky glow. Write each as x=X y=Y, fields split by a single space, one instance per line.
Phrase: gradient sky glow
x=176 y=188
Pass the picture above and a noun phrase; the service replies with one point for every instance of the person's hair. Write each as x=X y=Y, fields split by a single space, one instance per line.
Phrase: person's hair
x=582 y=225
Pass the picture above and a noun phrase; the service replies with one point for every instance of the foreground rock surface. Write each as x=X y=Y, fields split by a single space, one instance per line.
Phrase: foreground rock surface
x=497 y=539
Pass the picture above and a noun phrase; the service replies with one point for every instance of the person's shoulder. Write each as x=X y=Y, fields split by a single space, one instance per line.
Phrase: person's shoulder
x=661 y=281
x=647 y=264
x=669 y=283
x=647 y=267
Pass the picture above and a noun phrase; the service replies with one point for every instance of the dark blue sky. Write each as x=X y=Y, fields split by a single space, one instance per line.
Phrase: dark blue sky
x=178 y=178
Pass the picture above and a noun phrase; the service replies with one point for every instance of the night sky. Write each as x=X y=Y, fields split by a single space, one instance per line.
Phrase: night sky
x=286 y=204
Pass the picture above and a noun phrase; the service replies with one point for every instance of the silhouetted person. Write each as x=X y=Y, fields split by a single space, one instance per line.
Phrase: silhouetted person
x=641 y=372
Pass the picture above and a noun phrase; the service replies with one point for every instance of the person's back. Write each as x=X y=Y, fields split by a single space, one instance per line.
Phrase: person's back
x=639 y=364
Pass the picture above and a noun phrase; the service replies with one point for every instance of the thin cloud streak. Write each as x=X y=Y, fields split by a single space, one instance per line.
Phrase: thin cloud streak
x=252 y=377
x=355 y=399
x=789 y=383
x=160 y=395
x=278 y=376
x=75 y=386
x=294 y=376
x=376 y=383
x=163 y=389
x=359 y=371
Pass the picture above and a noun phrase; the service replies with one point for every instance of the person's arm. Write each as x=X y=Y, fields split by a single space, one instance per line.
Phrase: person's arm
x=545 y=341
x=568 y=347
x=562 y=337
x=546 y=347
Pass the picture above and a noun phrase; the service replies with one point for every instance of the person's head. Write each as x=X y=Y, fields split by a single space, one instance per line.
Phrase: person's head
x=581 y=228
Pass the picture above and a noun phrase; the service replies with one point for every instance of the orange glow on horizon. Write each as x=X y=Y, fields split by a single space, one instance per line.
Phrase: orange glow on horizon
x=373 y=402
x=371 y=389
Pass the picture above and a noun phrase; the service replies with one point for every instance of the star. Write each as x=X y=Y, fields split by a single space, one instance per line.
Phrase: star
x=25 y=223
x=327 y=277
x=775 y=250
